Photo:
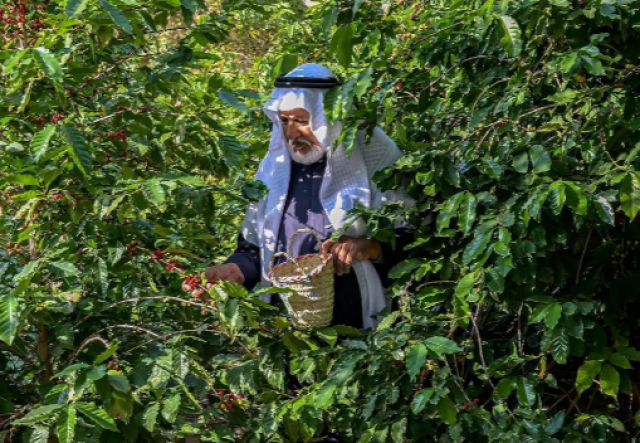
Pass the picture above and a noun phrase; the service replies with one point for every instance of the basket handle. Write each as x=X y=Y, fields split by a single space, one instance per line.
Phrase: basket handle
x=279 y=254
x=305 y=231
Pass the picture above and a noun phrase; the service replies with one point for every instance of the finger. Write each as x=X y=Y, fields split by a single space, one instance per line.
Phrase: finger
x=209 y=285
x=342 y=266
x=197 y=293
x=345 y=259
x=335 y=252
x=212 y=274
x=186 y=287
x=326 y=248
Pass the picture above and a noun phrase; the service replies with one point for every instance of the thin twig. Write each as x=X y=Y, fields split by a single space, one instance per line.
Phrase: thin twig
x=476 y=331
x=138 y=299
x=584 y=251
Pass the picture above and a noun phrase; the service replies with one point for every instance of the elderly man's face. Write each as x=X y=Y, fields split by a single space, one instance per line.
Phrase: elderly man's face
x=303 y=144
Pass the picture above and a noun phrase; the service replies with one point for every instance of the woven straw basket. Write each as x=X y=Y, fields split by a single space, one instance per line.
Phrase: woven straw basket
x=310 y=304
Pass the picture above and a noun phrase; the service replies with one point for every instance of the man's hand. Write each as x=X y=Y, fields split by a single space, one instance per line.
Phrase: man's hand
x=225 y=272
x=350 y=249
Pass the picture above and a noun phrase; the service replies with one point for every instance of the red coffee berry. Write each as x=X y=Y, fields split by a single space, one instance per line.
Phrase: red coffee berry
x=220 y=393
x=40 y=8
x=476 y=400
x=465 y=407
x=203 y=312
x=619 y=85
x=240 y=396
x=57 y=197
x=120 y=108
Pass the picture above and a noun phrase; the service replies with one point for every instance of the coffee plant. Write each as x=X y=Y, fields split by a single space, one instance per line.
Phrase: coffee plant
x=129 y=136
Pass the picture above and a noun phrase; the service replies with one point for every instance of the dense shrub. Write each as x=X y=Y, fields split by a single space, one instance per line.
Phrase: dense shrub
x=124 y=157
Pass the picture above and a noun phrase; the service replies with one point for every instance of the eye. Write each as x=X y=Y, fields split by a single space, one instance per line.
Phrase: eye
x=284 y=120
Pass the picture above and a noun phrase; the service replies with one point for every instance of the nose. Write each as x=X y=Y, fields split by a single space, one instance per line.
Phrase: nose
x=292 y=131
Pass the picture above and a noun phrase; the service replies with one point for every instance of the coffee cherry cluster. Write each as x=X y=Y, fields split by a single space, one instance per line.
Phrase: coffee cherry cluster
x=228 y=399
x=20 y=23
x=121 y=134
x=174 y=264
x=156 y=255
x=191 y=282
x=56 y=118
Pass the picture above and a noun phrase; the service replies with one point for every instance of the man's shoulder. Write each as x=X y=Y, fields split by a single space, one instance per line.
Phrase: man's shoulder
x=379 y=152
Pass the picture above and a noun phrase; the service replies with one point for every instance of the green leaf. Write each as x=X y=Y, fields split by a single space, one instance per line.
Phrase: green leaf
x=604 y=210
x=348 y=139
x=467 y=212
x=102 y=275
x=364 y=82
x=576 y=200
x=74 y=7
x=97 y=415
x=507 y=385
x=71 y=368
x=388 y=321
x=399 y=430
x=324 y=396
x=557 y=196
x=78 y=148
x=64 y=268
x=118 y=17
x=8 y=318
x=67 y=424
x=405 y=267
x=630 y=195
x=521 y=163
x=447 y=411
x=477 y=246
x=38 y=415
x=118 y=381
x=441 y=345
x=620 y=361
x=170 y=408
x=552 y=315
x=568 y=62
x=416 y=359
x=593 y=65
x=150 y=416
x=40 y=434
x=465 y=285
x=106 y=354
x=540 y=158
x=610 y=380
x=40 y=142
x=555 y=424
x=526 y=391
x=233 y=101
x=342 y=44
x=566 y=96
x=155 y=192
x=511 y=36
x=560 y=345
x=630 y=353
x=420 y=400
x=447 y=211
x=231 y=150
x=49 y=64
x=97 y=372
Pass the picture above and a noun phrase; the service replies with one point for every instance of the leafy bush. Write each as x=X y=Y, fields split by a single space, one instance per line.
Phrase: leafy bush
x=124 y=158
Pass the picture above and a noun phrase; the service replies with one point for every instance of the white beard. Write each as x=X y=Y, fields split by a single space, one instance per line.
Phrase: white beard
x=315 y=154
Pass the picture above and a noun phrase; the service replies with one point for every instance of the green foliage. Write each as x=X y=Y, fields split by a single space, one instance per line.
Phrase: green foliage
x=128 y=134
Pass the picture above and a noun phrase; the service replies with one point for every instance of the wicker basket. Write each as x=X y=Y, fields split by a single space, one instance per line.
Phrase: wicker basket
x=310 y=304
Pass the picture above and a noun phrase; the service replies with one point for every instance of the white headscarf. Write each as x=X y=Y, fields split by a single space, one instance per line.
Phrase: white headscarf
x=346 y=182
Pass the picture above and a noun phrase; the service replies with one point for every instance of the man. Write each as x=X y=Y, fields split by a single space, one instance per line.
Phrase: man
x=311 y=185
